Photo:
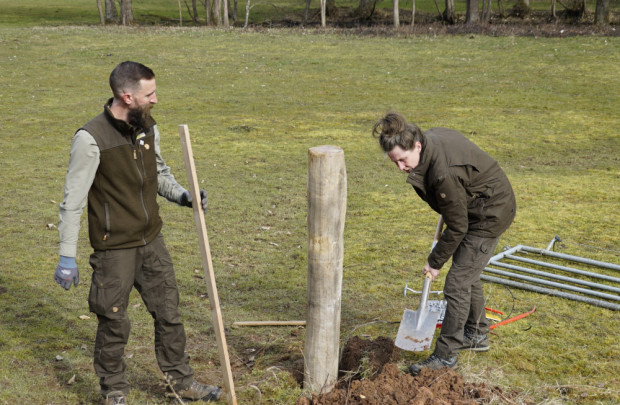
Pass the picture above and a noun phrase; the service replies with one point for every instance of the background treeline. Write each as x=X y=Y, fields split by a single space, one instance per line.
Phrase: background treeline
x=337 y=13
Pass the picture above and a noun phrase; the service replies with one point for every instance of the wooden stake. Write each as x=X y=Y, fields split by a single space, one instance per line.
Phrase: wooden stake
x=207 y=265
x=327 y=200
x=268 y=323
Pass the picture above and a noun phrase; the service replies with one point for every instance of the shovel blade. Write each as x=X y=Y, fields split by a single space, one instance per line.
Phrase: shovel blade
x=416 y=330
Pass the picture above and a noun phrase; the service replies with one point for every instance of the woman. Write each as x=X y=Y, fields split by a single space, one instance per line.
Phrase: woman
x=468 y=188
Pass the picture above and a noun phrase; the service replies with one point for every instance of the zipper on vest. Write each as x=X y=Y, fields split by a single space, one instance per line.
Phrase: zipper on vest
x=106 y=208
x=142 y=175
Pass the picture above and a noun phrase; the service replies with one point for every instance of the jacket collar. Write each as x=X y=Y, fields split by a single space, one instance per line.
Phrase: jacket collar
x=417 y=175
x=124 y=127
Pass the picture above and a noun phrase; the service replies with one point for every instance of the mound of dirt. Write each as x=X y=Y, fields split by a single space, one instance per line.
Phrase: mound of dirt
x=387 y=385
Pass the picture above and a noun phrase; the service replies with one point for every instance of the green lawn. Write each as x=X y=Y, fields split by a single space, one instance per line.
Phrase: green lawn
x=547 y=109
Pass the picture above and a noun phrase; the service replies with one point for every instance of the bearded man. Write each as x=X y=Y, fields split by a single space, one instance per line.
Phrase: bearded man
x=116 y=166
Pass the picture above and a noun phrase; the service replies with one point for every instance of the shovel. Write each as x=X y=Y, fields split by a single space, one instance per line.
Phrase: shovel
x=417 y=328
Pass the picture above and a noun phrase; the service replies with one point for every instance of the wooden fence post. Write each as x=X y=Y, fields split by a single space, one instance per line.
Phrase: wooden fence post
x=327 y=200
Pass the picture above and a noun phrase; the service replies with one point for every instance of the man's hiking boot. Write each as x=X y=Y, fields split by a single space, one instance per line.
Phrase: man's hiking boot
x=433 y=362
x=114 y=398
x=474 y=342
x=197 y=391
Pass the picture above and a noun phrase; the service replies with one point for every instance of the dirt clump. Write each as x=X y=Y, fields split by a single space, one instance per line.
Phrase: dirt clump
x=370 y=376
x=366 y=358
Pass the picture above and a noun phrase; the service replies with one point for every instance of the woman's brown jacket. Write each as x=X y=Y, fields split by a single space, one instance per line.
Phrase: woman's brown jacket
x=466 y=186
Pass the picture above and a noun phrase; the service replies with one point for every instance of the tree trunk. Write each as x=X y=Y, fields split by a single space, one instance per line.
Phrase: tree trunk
x=247 y=14
x=412 y=15
x=323 y=4
x=472 y=15
x=180 y=14
x=449 y=15
x=306 y=11
x=601 y=14
x=217 y=12
x=126 y=12
x=100 y=9
x=486 y=12
x=195 y=11
x=111 y=15
x=208 y=19
x=225 y=13
x=500 y=8
x=396 y=15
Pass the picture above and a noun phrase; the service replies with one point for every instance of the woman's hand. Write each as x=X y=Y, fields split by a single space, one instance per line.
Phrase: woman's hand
x=433 y=272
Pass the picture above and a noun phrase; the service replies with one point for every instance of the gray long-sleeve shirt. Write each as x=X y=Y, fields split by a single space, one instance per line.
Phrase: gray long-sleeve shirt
x=83 y=164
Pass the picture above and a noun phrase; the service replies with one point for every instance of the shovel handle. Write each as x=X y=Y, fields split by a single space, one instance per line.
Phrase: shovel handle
x=429 y=277
x=438 y=231
x=427 y=286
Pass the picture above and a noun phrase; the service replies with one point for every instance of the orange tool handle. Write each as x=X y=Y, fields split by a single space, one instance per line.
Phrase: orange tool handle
x=516 y=318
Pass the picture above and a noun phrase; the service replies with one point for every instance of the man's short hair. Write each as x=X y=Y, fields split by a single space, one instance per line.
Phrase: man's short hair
x=127 y=75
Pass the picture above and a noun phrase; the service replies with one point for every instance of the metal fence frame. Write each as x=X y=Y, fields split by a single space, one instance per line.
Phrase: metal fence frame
x=540 y=285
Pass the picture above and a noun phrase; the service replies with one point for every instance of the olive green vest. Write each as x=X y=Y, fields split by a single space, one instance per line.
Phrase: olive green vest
x=122 y=201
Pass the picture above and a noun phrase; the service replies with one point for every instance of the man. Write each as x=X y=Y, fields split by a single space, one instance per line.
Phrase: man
x=473 y=195
x=116 y=165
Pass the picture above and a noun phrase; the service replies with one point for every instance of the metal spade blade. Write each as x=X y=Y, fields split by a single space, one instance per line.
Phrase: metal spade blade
x=417 y=328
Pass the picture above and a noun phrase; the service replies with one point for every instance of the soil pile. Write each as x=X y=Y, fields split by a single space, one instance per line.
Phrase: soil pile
x=371 y=376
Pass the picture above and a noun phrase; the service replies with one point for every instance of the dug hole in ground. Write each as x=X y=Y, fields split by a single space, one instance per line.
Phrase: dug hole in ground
x=369 y=375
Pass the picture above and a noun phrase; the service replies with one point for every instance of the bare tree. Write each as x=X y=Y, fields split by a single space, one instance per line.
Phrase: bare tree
x=225 y=13
x=111 y=15
x=485 y=16
x=234 y=10
x=500 y=8
x=306 y=11
x=472 y=16
x=126 y=12
x=601 y=13
x=449 y=15
x=396 y=15
x=195 y=12
x=323 y=4
x=208 y=19
x=217 y=12
x=101 y=16
x=412 y=15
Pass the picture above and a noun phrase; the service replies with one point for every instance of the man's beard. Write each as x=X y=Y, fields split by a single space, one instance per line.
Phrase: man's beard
x=139 y=116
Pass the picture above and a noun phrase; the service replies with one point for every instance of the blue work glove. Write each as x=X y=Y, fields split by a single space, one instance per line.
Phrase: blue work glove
x=67 y=272
x=186 y=200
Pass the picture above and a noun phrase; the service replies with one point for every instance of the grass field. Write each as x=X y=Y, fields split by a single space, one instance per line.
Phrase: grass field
x=546 y=109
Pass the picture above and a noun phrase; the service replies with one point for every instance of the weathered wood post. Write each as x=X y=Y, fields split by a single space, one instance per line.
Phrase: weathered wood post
x=327 y=201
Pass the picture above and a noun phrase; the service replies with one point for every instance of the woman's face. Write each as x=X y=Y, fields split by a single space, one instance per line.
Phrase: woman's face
x=406 y=160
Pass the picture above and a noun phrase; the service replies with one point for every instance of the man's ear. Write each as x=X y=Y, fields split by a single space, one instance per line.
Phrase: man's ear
x=127 y=98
